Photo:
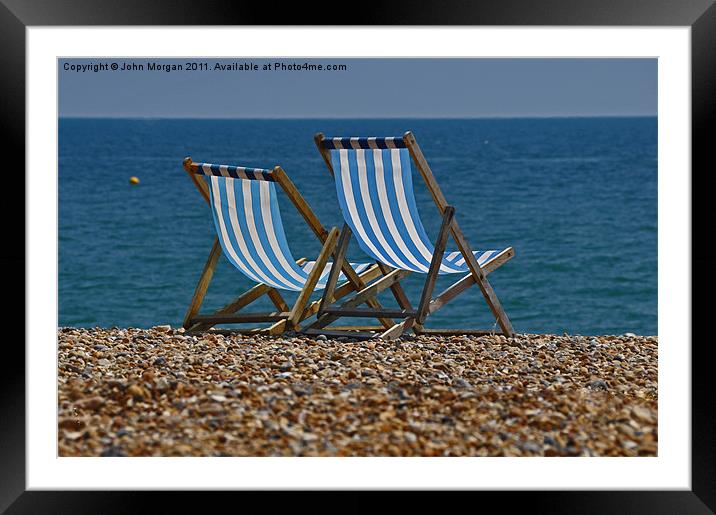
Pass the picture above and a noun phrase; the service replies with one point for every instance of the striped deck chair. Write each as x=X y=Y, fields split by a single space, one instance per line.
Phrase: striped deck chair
x=373 y=181
x=250 y=234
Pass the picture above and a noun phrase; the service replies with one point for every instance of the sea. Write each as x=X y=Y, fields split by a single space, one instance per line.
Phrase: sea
x=575 y=197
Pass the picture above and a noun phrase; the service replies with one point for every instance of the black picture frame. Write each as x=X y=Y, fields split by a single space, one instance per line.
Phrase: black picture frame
x=700 y=15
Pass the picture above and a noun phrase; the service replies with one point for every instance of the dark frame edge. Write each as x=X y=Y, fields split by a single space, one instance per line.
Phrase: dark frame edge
x=12 y=378
x=703 y=133
x=702 y=498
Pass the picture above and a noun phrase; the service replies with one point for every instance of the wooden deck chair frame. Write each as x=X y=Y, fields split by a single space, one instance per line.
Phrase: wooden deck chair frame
x=415 y=318
x=285 y=318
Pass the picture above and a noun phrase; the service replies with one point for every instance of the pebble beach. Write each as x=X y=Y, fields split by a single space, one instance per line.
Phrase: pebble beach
x=161 y=392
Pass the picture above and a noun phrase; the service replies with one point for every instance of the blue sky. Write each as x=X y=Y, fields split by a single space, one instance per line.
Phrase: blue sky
x=368 y=88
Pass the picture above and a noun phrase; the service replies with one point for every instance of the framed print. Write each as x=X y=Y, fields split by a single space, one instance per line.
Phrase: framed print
x=443 y=249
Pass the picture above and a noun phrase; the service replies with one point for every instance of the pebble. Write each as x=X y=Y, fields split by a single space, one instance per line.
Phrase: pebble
x=113 y=452
x=137 y=392
x=91 y=403
x=294 y=395
x=598 y=384
x=643 y=414
x=461 y=383
x=531 y=447
x=162 y=384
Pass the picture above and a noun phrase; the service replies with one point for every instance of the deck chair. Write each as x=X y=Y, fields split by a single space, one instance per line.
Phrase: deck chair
x=250 y=233
x=373 y=182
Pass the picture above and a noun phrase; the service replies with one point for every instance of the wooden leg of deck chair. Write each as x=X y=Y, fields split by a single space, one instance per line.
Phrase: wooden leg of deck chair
x=374 y=303
x=313 y=277
x=359 y=285
x=237 y=304
x=302 y=206
x=341 y=291
x=242 y=301
x=397 y=330
x=481 y=279
x=434 y=269
x=203 y=284
x=339 y=257
x=277 y=328
x=403 y=301
x=492 y=301
x=468 y=280
x=247 y=298
x=361 y=297
x=328 y=292
x=281 y=305
x=277 y=300
x=396 y=289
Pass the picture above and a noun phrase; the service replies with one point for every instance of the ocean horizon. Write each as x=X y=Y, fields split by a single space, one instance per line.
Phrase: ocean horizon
x=575 y=196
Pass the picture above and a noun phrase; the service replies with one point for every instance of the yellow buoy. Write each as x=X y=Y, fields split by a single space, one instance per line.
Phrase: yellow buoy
x=133 y=180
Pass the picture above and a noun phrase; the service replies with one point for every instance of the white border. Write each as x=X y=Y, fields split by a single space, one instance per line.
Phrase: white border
x=671 y=469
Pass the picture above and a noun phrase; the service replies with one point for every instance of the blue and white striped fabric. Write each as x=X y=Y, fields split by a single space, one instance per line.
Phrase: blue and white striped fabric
x=364 y=143
x=237 y=172
x=375 y=190
x=248 y=223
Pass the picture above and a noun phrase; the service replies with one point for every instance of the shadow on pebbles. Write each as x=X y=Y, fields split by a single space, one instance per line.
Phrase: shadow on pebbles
x=159 y=392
